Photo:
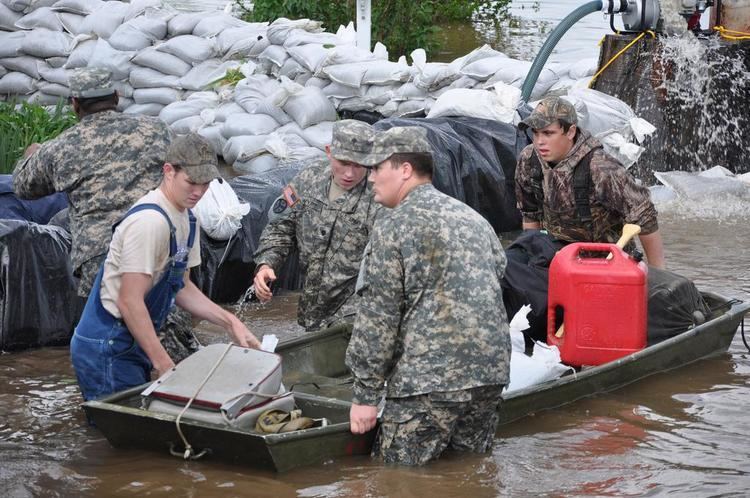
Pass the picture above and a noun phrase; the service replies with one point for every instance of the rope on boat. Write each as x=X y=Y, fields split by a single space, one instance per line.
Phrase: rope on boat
x=189 y=453
x=618 y=54
x=735 y=35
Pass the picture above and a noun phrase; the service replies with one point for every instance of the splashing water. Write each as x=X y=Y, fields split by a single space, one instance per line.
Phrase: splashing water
x=674 y=23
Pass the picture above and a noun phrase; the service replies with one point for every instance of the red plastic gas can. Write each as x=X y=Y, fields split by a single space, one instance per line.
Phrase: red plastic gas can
x=604 y=303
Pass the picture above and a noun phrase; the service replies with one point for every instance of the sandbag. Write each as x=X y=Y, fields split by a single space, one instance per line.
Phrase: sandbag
x=228 y=37
x=279 y=30
x=15 y=83
x=319 y=135
x=81 y=54
x=72 y=23
x=245 y=383
x=214 y=24
x=117 y=61
x=138 y=33
x=10 y=43
x=309 y=106
x=161 y=61
x=246 y=48
x=55 y=75
x=23 y=64
x=206 y=73
x=103 y=22
x=44 y=99
x=248 y=124
x=257 y=165
x=43 y=17
x=138 y=7
x=8 y=18
x=191 y=49
x=163 y=96
x=215 y=138
x=143 y=77
x=42 y=308
x=183 y=23
x=152 y=109
x=84 y=7
x=54 y=89
x=187 y=125
x=183 y=109
x=219 y=211
x=243 y=148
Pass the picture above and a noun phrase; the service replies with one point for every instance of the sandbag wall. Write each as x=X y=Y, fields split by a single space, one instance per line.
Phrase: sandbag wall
x=297 y=76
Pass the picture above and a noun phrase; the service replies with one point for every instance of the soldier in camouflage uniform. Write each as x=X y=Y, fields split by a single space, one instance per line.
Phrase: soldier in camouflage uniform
x=104 y=164
x=547 y=175
x=326 y=213
x=431 y=333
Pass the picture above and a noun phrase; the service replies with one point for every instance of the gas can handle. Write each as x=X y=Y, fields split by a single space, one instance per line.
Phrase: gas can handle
x=600 y=247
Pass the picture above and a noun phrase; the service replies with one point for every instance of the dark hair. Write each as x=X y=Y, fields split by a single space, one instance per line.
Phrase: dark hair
x=420 y=161
x=92 y=105
x=565 y=125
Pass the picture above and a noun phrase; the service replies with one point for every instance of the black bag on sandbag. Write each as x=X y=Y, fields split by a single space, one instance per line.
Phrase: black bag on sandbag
x=674 y=305
x=39 y=305
x=475 y=162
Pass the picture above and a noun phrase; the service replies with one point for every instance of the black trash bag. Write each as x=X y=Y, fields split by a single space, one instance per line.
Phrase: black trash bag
x=37 y=210
x=674 y=305
x=227 y=267
x=475 y=162
x=38 y=301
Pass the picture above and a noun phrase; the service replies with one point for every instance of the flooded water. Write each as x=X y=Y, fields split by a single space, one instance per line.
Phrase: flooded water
x=682 y=433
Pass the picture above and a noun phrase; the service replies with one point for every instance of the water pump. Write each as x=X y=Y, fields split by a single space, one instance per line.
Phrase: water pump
x=637 y=15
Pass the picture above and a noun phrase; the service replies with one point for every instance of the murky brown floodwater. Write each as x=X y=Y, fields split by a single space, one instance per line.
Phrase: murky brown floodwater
x=683 y=433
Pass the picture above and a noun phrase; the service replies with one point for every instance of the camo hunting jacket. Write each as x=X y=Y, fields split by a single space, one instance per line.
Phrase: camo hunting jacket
x=615 y=198
x=104 y=163
x=431 y=315
x=330 y=236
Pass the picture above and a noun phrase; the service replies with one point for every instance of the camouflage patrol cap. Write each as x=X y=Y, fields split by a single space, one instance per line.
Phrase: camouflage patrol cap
x=194 y=155
x=399 y=139
x=548 y=111
x=90 y=82
x=351 y=141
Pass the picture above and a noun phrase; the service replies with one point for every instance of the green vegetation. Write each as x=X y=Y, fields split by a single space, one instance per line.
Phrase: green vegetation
x=231 y=78
x=402 y=25
x=26 y=124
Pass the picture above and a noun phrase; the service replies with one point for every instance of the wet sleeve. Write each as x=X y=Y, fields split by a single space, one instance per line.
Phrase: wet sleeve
x=279 y=237
x=33 y=176
x=529 y=196
x=619 y=191
x=372 y=346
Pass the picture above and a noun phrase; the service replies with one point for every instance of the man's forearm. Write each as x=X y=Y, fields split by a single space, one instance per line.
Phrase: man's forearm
x=654 y=249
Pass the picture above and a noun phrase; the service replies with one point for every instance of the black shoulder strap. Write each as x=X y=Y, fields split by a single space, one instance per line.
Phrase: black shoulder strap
x=582 y=188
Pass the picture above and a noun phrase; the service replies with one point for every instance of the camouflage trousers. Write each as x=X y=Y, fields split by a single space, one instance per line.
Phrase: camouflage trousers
x=417 y=429
x=176 y=335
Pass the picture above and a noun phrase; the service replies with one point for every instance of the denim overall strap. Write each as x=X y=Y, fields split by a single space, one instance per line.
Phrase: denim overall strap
x=160 y=298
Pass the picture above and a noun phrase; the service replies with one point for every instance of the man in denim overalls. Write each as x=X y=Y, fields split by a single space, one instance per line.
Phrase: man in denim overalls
x=115 y=345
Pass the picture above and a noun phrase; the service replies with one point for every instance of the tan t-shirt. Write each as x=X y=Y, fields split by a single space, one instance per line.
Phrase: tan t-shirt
x=140 y=244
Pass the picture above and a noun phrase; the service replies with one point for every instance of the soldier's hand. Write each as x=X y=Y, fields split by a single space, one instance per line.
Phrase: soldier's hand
x=263 y=279
x=362 y=418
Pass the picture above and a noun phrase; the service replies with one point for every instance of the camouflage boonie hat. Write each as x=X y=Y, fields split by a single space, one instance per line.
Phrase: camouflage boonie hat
x=195 y=156
x=548 y=111
x=351 y=141
x=90 y=82
x=399 y=139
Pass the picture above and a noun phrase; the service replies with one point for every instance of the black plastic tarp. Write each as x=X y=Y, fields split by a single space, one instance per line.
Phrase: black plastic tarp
x=38 y=301
x=475 y=162
x=38 y=210
x=227 y=267
x=674 y=305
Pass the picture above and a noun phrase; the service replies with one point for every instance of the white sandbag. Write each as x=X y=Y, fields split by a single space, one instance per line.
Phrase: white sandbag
x=56 y=62
x=81 y=54
x=212 y=25
x=354 y=104
x=302 y=78
x=310 y=56
x=220 y=211
x=15 y=83
x=256 y=165
x=189 y=107
x=604 y=112
x=293 y=128
x=411 y=109
x=44 y=43
x=206 y=73
x=290 y=148
x=138 y=33
x=347 y=54
x=215 y=138
x=388 y=109
x=103 y=22
x=349 y=74
x=339 y=91
x=301 y=37
x=53 y=89
x=190 y=48
x=3 y=71
x=8 y=18
x=123 y=89
x=143 y=77
x=43 y=99
x=279 y=30
x=41 y=18
x=386 y=72
x=515 y=74
x=58 y=75
x=10 y=43
x=23 y=64
x=319 y=135
x=138 y=7
x=183 y=23
x=483 y=52
x=156 y=95
x=84 y=7
x=228 y=37
x=409 y=91
x=117 y=61
x=695 y=187
x=583 y=68
x=248 y=124
x=275 y=54
x=187 y=125
x=152 y=109
x=227 y=109
x=162 y=62
x=435 y=75
x=380 y=94
x=309 y=106
x=243 y=148
x=499 y=105
x=18 y=5
x=484 y=69
x=617 y=146
x=256 y=95
x=210 y=98
x=318 y=82
x=293 y=69
x=249 y=47
x=72 y=23
x=463 y=82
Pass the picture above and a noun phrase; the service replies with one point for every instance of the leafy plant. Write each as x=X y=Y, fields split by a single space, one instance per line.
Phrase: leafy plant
x=24 y=124
x=232 y=77
x=402 y=25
